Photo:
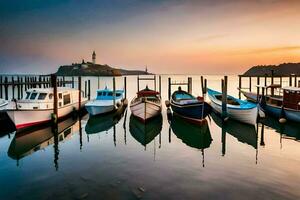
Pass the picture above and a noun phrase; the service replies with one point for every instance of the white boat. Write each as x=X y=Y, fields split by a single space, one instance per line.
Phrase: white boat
x=37 y=106
x=3 y=104
x=104 y=102
x=240 y=110
x=146 y=105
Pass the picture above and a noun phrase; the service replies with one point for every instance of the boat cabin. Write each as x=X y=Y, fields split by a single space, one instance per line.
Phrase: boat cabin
x=291 y=98
x=107 y=94
x=42 y=98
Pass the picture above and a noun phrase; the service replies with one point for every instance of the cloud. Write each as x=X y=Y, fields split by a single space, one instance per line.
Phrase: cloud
x=266 y=50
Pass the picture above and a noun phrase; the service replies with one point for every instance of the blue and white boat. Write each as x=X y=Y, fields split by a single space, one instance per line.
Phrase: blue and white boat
x=191 y=108
x=285 y=108
x=240 y=110
x=105 y=101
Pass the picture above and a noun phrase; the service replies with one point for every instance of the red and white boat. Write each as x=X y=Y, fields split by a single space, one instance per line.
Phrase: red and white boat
x=37 y=106
x=146 y=105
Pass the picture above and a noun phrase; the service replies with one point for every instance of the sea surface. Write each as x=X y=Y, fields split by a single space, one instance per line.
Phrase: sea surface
x=116 y=157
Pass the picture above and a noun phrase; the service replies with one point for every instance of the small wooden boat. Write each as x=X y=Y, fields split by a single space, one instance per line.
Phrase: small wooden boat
x=37 y=106
x=105 y=101
x=104 y=122
x=193 y=135
x=287 y=108
x=145 y=133
x=237 y=109
x=146 y=105
x=244 y=133
x=189 y=107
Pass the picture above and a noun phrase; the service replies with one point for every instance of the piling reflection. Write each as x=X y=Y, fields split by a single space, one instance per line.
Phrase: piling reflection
x=26 y=143
x=144 y=133
x=244 y=133
x=288 y=130
x=100 y=123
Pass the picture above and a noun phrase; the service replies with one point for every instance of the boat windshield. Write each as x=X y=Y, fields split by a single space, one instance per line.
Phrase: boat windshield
x=27 y=95
x=33 y=95
x=42 y=96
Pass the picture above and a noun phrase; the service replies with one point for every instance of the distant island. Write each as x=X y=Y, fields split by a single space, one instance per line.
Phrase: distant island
x=284 y=69
x=93 y=69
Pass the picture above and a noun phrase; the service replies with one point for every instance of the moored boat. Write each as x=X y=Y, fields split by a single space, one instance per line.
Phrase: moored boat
x=37 y=106
x=146 y=105
x=106 y=101
x=287 y=108
x=189 y=107
x=237 y=109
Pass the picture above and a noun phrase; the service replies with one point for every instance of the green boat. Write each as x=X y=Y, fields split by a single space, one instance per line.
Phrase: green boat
x=145 y=133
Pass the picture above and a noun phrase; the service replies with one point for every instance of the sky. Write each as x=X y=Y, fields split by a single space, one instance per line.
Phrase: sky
x=175 y=36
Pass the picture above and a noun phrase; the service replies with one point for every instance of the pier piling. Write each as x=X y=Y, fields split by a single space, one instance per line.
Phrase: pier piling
x=125 y=87
x=224 y=97
x=54 y=85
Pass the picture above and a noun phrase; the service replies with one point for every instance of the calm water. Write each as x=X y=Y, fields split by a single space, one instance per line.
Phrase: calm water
x=89 y=159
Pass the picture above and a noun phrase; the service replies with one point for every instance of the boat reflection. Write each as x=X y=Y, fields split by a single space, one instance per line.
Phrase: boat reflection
x=288 y=130
x=27 y=142
x=100 y=123
x=144 y=133
x=193 y=135
x=245 y=133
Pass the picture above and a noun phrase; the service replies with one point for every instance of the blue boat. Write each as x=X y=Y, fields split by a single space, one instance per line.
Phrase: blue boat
x=105 y=102
x=185 y=105
x=240 y=110
x=284 y=109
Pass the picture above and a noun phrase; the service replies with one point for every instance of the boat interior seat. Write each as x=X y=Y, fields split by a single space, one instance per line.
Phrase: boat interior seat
x=230 y=100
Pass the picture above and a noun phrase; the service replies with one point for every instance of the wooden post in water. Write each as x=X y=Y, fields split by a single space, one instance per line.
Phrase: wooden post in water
x=114 y=91
x=290 y=80
x=85 y=89
x=54 y=85
x=13 y=87
x=64 y=83
x=202 y=85
x=205 y=86
x=89 y=89
x=6 y=88
x=240 y=86
x=155 y=82
x=224 y=97
x=138 y=83
x=250 y=84
x=21 y=78
x=18 y=86
x=1 y=87
x=79 y=92
x=257 y=88
x=159 y=84
x=295 y=84
x=125 y=87
x=280 y=80
x=272 y=76
x=299 y=84
x=98 y=82
x=190 y=85
x=169 y=88
x=72 y=81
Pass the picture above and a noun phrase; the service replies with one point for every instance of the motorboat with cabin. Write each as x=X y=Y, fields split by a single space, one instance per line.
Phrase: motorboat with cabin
x=37 y=106
x=106 y=101
x=189 y=107
x=285 y=108
x=237 y=109
x=146 y=105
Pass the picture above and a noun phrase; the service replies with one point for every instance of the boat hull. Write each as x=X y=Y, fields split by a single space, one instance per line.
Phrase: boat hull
x=192 y=112
x=145 y=110
x=26 y=118
x=275 y=111
x=248 y=116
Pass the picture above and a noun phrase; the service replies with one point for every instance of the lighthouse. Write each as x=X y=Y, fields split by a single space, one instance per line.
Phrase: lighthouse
x=94 y=57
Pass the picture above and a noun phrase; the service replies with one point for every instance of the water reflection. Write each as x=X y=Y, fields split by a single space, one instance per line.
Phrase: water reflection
x=144 y=133
x=245 y=133
x=288 y=130
x=100 y=123
x=26 y=143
